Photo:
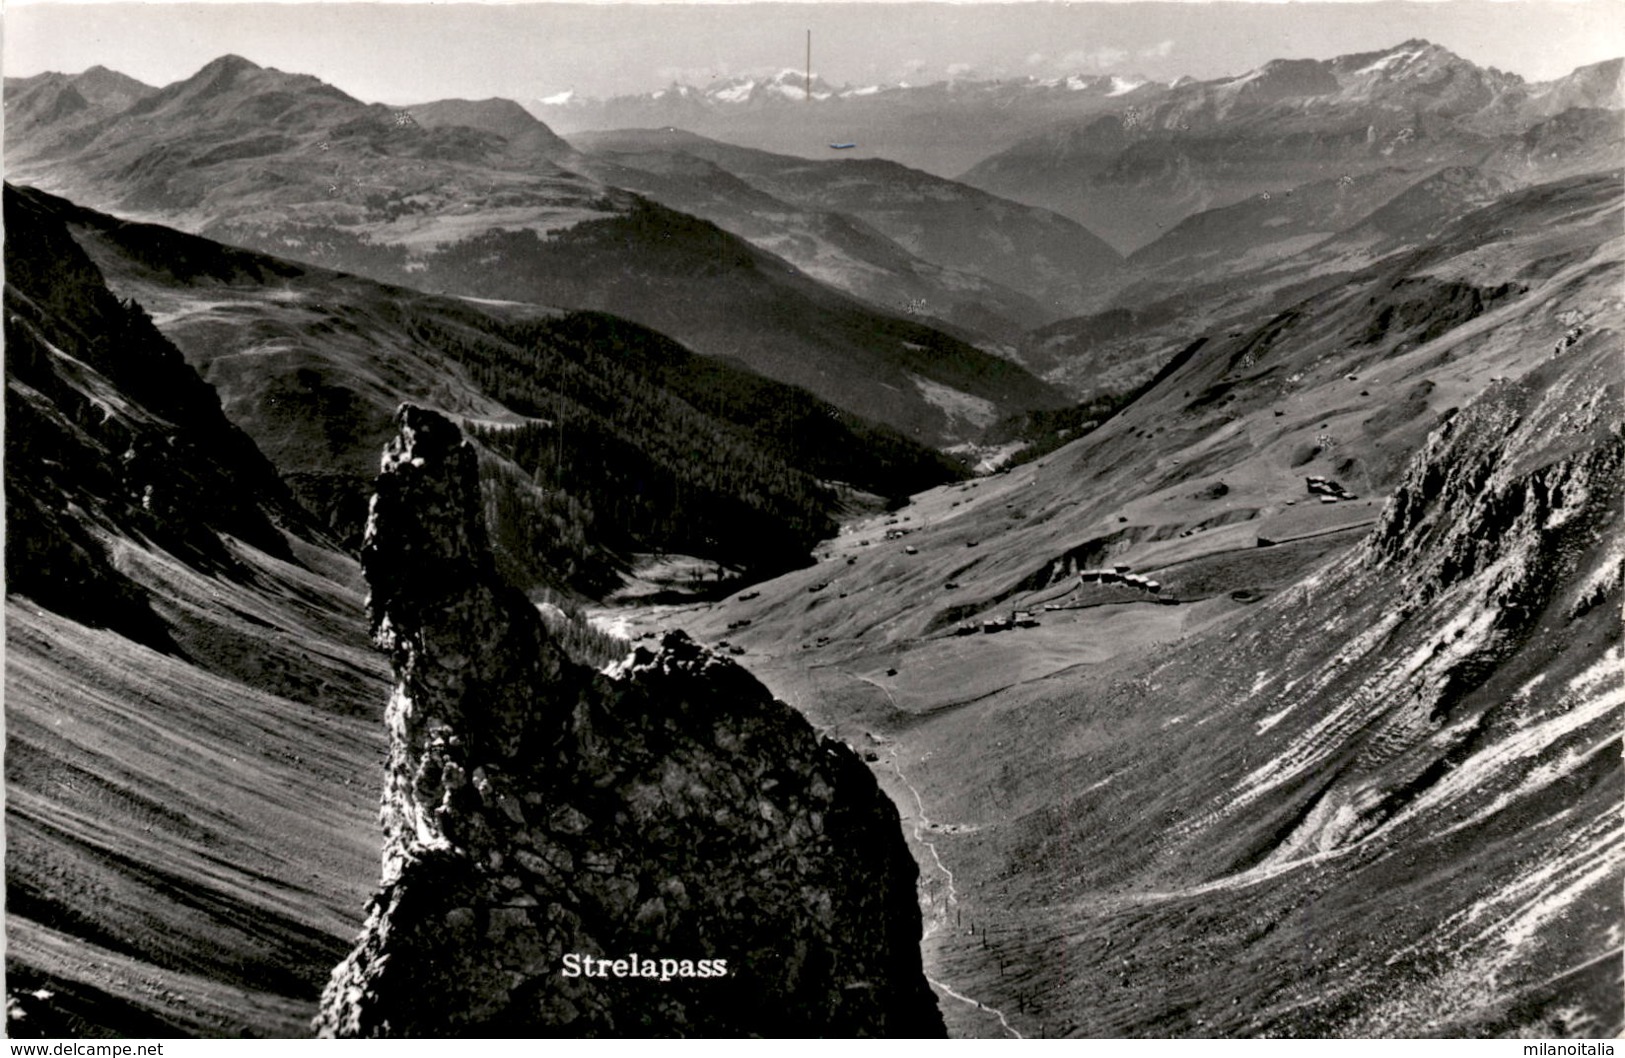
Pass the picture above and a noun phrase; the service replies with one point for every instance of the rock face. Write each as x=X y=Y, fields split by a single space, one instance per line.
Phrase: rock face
x=669 y=810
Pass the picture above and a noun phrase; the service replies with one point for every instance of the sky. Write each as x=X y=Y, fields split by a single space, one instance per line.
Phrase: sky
x=404 y=53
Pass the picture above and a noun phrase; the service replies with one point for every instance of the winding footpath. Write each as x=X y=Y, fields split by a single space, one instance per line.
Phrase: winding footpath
x=921 y=824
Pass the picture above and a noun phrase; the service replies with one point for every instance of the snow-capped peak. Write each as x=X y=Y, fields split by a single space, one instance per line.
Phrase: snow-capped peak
x=1122 y=86
x=735 y=93
x=558 y=99
x=795 y=91
x=785 y=84
x=1393 y=60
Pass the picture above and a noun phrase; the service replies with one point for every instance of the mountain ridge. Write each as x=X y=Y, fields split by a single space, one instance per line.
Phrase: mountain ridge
x=944 y=223
x=289 y=165
x=1415 y=104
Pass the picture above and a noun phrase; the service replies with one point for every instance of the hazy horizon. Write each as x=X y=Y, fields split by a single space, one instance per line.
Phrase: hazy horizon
x=398 y=53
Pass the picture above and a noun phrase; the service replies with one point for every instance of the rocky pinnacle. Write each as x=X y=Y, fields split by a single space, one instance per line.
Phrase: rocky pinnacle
x=565 y=851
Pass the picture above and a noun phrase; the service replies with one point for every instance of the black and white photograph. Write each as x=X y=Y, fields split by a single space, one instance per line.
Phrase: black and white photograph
x=1004 y=520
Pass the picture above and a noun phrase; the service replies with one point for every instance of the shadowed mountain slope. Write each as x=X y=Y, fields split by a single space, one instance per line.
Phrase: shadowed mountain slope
x=95 y=395
x=602 y=437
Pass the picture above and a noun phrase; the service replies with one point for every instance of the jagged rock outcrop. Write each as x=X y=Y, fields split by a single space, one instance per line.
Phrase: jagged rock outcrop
x=1501 y=513
x=1474 y=588
x=1519 y=479
x=669 y=809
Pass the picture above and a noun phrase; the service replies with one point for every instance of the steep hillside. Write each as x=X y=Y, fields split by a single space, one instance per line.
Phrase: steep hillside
x=1401 y=723
x=1386 y=260
x=188 y=686
x=537 y=812
x=1414 y=748
x=1389 y=205
x=1572 y=142
x=838 y=250
x=288 y=165
x=1422 y=211
x=1296 y=233
x=92 y=386
x=1243 y=237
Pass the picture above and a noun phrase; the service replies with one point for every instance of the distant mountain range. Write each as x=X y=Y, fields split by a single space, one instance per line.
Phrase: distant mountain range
x=905 y=297
x=943 y=128
x=1119 y=153
x=952 y=127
